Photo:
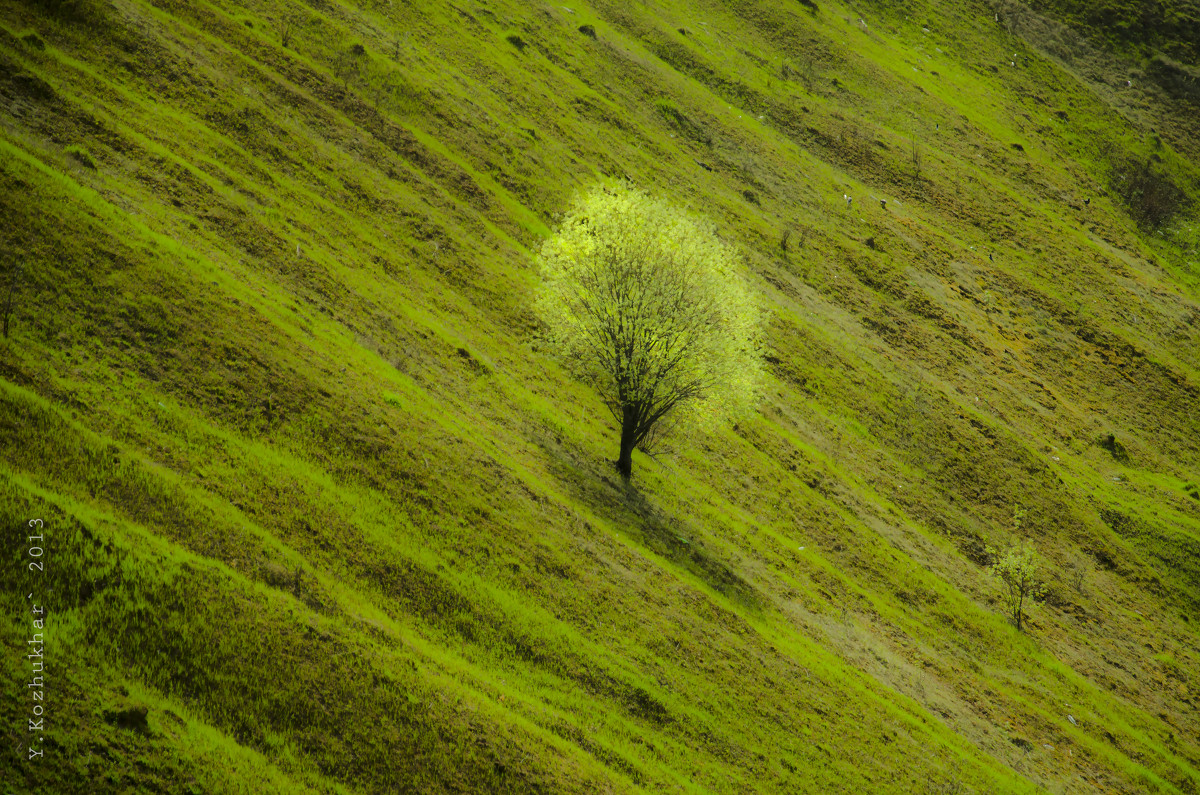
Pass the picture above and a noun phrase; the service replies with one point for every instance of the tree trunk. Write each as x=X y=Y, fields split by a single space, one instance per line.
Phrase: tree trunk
x=628 y=442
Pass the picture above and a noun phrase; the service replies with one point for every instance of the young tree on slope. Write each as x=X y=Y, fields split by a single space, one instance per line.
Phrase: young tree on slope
x=648 y=305
x=1018 y=568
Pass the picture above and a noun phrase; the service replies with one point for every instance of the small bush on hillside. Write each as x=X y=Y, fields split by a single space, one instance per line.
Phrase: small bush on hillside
x=347 y=66
x=81 y=155
x=286 y=25
x=1079 y=570
x=682 y=123
x=647 y=304
x=1017 y=567
x=1150 y=195
x=1110 y=443
x=804 y=70
x=1179 y=79
x=31 y=39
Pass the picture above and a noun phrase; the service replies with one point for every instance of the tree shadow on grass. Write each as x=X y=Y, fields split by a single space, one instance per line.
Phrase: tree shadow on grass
x=599 y=486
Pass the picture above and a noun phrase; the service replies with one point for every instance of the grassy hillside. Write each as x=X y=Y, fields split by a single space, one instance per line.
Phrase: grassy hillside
x=320 y=515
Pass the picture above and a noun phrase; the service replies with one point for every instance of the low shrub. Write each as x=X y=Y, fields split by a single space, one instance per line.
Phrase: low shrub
x=1150 y=195
x=81 y=155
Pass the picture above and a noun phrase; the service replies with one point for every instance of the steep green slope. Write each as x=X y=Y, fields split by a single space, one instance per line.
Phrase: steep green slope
x=319 y=509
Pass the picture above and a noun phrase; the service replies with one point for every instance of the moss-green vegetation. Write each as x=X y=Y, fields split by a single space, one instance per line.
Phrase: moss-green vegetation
x=321 y=516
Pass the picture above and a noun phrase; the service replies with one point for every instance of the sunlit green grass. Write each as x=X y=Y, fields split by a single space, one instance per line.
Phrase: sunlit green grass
x=320 y=503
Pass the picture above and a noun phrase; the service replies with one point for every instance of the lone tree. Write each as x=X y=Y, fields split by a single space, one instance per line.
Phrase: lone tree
x=647 y=304
x=1017 y=567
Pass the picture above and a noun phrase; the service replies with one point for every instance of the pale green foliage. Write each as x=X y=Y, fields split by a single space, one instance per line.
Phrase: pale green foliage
x=1017 y=567
x=1018 y=518
x=646 y=303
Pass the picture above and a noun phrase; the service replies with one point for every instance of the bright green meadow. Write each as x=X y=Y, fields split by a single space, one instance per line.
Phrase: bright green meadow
x=322 y=514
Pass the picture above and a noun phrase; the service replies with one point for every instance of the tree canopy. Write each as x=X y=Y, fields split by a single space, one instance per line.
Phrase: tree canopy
x=646 y=303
